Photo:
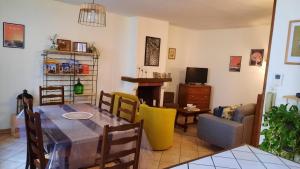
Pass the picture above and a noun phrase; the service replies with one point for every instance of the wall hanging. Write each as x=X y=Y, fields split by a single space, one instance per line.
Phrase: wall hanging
x=235 y=63
x=13 y=35
x=152 y=51
x=292 y=55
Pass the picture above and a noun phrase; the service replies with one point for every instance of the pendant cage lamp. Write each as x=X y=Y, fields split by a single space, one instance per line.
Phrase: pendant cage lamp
x=92 y=14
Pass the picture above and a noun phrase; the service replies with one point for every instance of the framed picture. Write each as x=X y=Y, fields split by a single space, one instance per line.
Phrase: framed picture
x=292 y=55
x=79 y=46
x=63 y=45
x=152 y=51
x=235 y=63
x=13 y=35
x=51 y=68
x=256 y=57
x=172 y=53
x=65 y=68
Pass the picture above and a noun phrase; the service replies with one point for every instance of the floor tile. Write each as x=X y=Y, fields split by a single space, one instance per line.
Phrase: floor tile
x=243 y=155
x=250 y=164
x=226 y=154
x=195 y=166
x=204 y=161
x=10 y=164
x=226 y=162
x=269 y=159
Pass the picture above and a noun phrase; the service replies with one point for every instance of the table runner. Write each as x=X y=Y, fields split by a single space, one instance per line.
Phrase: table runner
x=74 y=143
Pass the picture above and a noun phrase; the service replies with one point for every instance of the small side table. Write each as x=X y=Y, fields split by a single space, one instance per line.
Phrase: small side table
x=186 y=113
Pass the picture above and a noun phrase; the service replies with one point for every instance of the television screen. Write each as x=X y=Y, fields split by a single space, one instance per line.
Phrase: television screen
x=196 y=75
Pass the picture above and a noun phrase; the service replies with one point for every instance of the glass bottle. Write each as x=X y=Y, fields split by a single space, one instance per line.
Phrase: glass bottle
x=78 y=88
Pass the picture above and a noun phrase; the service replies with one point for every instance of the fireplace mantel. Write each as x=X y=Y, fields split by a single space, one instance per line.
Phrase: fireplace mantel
x=145 y=80
x=149 y=89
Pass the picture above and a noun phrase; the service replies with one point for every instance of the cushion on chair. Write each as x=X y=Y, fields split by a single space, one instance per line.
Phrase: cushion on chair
x=243 y=111
x=129 y=97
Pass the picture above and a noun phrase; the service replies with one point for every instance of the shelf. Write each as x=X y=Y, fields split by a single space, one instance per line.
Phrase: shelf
x=59 y=74
x=145 y=80
x=57 y=52
x=84 y=95
x=292 y=97
x=68 y=80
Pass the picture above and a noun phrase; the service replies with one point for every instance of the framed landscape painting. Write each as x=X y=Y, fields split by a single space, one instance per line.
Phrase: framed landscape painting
x=13 y=35
x=292 y=55
x=235 y=63
x=152 y=51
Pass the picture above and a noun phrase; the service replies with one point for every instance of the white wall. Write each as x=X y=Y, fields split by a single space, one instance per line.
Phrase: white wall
x=148 y=27
x=212 y=49
x=22 y=68
x=286 y=11
x=122 y=43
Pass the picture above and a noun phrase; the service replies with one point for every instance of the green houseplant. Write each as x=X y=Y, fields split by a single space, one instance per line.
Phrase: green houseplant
x=282 y=131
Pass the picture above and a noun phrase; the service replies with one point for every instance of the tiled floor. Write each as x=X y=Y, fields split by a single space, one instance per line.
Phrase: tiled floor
x=186 y=147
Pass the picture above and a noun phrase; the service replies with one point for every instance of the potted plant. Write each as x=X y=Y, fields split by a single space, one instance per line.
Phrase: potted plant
x=282 y=132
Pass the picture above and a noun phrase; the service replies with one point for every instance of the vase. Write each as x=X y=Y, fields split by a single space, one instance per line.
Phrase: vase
x=78 y=88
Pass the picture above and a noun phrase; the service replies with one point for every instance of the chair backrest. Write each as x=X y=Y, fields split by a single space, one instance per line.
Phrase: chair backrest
x=108 y=142
x=34 y=136
x=128 y=107
x=108 y=100
x=52 y=95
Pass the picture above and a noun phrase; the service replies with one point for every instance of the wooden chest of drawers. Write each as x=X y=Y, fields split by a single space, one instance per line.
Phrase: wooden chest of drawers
x=194 y=94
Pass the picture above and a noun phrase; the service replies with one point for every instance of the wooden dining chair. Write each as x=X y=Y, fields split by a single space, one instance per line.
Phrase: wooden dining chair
x=108 y=100
x=52 y=95
x=34 y=137
x=108 y=142
x=128 y=107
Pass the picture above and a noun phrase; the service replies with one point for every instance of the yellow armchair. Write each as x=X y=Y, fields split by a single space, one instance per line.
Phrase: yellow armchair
x=138 y=116
x=158 y=126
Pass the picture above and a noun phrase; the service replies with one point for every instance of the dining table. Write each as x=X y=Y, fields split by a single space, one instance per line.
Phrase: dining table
x=73 y=144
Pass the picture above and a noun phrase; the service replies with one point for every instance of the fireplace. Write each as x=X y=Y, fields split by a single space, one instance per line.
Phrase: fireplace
x=149 y=89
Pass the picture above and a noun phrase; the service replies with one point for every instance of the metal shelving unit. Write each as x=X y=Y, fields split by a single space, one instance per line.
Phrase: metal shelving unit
x=68 y=80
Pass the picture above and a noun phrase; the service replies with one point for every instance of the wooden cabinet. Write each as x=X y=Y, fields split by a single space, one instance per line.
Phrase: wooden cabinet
x=194 y=94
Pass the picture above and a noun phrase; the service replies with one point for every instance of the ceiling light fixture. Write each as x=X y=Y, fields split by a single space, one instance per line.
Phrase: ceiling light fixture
x=92 y=14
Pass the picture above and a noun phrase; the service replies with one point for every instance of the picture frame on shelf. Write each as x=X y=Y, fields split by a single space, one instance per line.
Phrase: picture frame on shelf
x=80 y=47
x=51 y=68
x=13 y=35
x=65 y=68
x=152 y=51
x=64 y=45
x=292 y=55
x=172 y=53
x=235 y=63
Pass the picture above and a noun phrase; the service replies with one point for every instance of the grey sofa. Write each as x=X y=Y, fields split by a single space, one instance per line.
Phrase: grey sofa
x=227 y=133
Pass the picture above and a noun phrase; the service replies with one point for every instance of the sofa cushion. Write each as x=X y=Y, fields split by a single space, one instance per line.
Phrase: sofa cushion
x=229 y=111
x=243 y=111
x=218 y=111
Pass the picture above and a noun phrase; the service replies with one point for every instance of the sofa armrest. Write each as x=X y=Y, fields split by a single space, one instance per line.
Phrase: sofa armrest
x=219 y=131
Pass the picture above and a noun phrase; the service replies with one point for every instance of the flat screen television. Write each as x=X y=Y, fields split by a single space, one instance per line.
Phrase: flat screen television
x=196 y=75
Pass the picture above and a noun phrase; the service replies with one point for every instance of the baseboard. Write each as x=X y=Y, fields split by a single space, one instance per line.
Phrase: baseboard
x=5 y=131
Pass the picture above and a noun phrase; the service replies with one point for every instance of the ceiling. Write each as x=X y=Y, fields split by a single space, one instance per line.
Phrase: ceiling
x=195 y=14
